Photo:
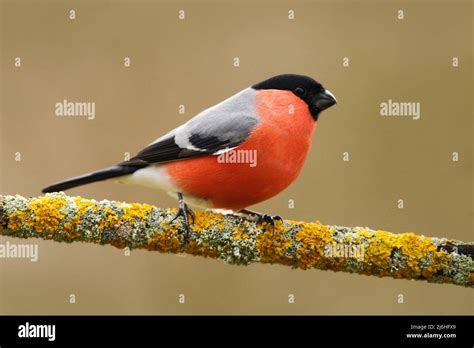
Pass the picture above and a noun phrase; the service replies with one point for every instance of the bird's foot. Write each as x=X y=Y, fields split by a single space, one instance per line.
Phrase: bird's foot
x=184 y=211
x=260 y=218
x=269 y=219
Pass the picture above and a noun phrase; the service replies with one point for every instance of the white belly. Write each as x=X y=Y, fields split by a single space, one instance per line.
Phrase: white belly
x=156 y=177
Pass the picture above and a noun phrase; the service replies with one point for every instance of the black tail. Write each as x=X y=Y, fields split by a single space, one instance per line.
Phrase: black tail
x=99 y=175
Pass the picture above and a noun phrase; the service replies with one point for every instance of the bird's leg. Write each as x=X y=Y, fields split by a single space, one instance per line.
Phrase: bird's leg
x=259 y=217
x=184 y=211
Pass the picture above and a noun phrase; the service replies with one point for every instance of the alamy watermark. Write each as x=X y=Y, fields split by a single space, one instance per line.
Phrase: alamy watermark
x=68 y=108
x=401 y=109
x=343 y=250
x=28 y=330
x=20 y=251
x=238 y=156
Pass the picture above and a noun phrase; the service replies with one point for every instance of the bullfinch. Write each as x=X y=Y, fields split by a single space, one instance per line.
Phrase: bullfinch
x=203 y=160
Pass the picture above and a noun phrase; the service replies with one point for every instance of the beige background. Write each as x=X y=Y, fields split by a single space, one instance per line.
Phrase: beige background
x=190 y=62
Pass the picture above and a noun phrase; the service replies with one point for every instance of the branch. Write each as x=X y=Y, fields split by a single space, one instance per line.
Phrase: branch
x=235 y=240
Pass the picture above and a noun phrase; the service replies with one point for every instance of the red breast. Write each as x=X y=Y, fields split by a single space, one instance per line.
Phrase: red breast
x=281 y=141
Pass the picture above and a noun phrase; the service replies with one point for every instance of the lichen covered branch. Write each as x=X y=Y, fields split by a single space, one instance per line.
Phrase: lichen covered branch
x=235 y=240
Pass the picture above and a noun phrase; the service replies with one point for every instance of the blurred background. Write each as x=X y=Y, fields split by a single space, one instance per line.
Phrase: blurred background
x=190 y=62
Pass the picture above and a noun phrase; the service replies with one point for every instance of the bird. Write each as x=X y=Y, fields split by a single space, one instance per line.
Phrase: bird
x=203 y=161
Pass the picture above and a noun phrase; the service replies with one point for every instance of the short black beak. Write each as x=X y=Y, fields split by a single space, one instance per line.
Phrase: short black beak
x=324 y=100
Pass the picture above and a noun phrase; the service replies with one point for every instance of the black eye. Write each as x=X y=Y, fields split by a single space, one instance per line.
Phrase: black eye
x=300 y=91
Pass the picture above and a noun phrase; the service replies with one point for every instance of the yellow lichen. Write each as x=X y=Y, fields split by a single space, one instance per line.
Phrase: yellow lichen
x=111 y=220
x=204 y=221
x=239 y=234
x=377 y=253
x=134 y=211
x=365 y=233
x=18 y=219
x=314 y=237
x=166 y=241
x=70 y=227
x=83 y=205
x=44 y=213
x=273 y=246
x=416 y=249
x=200 y=249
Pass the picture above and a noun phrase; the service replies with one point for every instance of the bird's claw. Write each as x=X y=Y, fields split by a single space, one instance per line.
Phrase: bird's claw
x=261 y=218
x=269 y=219
x=184 y=211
